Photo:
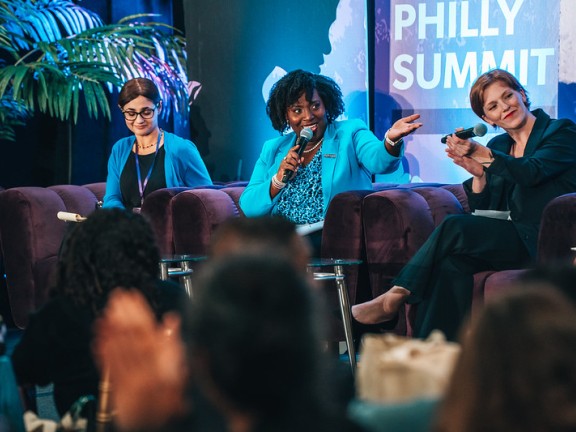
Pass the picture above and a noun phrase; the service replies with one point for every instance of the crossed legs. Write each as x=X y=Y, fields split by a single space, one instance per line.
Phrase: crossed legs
x=439 y=275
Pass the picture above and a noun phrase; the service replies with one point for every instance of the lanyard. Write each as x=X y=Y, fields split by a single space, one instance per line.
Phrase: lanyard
x=142 y=184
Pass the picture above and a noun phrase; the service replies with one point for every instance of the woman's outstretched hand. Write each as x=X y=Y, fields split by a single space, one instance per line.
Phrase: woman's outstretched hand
x=404 y=127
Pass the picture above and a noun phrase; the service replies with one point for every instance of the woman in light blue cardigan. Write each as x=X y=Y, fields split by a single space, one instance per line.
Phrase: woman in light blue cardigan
x=151 y=159
x=339 y=156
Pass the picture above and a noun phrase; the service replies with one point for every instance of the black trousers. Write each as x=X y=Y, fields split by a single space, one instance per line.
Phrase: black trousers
x=440 y=276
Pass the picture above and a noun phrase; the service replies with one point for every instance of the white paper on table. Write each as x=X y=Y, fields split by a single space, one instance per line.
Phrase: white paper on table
x=495 y=214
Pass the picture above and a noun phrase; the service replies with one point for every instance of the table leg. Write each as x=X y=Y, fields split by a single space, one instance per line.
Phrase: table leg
x=187 y=280
x=164 y=271
x=345 y=310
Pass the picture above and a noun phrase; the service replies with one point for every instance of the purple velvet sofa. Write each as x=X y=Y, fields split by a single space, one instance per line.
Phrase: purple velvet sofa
x=183 y=220
x=30 y=238
x=383 y=228
x=556 y=238
x=397 y=221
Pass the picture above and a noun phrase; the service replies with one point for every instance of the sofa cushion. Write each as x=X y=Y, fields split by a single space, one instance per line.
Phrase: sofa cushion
x=31 y=235
x=195 y=215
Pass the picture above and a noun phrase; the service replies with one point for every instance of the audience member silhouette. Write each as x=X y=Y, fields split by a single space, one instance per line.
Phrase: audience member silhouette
x=517 y=370
x=253 y=353
x=262 y=234
x=111 y=248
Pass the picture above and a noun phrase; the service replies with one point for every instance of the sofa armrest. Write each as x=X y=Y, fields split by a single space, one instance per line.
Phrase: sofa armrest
x=458 y=191
x=235 y=192
x=196 y=214
x=441 y=202
x=558 y=231
x=31 y=237
x=396 y=223
x=157 y=209
x=77 y=199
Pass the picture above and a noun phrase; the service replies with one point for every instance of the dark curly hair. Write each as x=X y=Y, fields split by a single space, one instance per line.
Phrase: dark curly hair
x=112 y=248
x=291 y=86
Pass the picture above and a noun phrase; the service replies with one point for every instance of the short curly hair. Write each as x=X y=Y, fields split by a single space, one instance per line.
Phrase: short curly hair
x=112 y=248
x=291 y=86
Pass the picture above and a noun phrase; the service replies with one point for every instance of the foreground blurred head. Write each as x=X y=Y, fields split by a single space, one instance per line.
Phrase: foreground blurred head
x=517 y=371
x=253 y=339
x=263 y=235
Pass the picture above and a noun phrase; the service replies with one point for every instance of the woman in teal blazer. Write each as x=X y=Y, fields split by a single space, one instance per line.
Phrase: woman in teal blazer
x=151 y=159
x=339 y=156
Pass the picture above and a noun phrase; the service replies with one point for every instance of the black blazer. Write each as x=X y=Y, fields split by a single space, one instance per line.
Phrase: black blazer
x=525 y=185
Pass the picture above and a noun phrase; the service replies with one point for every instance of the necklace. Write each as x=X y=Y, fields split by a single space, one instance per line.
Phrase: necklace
x=144 y=147
x=313 y=148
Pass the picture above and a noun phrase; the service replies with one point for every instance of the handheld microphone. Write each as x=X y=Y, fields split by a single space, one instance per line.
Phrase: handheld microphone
x=479 y=130
x=305 y=136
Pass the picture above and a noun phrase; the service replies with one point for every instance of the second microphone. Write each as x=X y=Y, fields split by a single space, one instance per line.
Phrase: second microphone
x=305 y=136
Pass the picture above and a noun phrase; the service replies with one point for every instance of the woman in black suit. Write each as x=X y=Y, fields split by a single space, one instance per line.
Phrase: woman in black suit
x=518 y=172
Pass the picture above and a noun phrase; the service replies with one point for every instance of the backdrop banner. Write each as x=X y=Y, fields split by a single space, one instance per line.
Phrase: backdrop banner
x=428 y=53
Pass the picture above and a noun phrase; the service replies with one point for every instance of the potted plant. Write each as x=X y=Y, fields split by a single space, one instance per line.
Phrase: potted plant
x=54 y=52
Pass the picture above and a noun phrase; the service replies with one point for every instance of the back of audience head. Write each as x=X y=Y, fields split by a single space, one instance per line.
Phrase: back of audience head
x=254 y=343
x=111 y=248
x=517 y=370
x=261 y=235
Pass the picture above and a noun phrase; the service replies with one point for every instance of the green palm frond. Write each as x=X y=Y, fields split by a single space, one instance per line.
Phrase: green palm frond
x=57 y=52
x=47 y=89
x=12 y=113
x=44 y=20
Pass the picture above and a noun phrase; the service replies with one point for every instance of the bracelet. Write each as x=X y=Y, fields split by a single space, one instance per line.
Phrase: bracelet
x=277 y=183
x=389 y=141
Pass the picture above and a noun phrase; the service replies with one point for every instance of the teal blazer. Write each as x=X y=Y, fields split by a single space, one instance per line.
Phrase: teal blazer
x=351 y=153
x=183 y=166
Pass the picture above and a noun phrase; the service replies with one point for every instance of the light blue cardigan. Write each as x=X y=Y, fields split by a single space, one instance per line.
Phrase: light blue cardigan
x=183 y=166
x=351 y=153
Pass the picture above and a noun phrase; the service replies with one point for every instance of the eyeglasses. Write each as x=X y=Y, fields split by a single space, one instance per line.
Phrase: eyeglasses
x=146 y=113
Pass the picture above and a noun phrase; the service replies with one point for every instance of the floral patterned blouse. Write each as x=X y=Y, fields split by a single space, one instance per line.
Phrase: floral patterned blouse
x=302 y=200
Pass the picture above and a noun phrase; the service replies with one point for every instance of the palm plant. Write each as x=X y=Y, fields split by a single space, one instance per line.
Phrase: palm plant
x=53 y=52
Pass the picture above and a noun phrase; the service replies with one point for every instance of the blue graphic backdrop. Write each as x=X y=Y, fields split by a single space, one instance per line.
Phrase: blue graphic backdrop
x=428 y=53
